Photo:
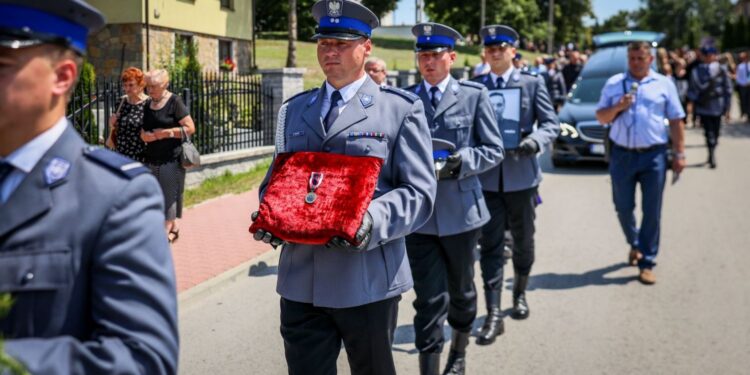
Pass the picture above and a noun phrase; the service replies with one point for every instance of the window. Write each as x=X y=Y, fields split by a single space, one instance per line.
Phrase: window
x=227 y=4
x=225 y=50
x=181 y=44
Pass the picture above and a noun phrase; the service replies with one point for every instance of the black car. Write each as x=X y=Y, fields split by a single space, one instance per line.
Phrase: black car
x=582 y=136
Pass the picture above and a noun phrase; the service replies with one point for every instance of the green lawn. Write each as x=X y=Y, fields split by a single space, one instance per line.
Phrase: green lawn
x=397 y=53
x=227 y=184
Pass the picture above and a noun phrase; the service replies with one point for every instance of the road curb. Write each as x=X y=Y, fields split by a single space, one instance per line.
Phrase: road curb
x=189 y=296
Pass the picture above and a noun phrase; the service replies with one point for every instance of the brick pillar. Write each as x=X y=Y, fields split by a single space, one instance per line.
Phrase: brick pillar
x=284 y=83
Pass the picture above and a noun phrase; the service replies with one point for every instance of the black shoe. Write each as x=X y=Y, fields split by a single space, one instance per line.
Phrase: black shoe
x=711 y=159
x=429 y=363
x=520 y=306
x=456 y=364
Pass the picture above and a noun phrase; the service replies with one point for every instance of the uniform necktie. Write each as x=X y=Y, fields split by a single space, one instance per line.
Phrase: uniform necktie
x=500 y=83
x=333 y=112
x=433 y=96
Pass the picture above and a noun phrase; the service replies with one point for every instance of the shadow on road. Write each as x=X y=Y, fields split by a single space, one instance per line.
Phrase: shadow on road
x=556 y=281
x=581 y=168
x=262 y=269
x=736 y=130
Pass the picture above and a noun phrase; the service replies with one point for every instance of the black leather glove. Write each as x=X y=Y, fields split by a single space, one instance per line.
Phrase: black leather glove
x=363 y=235
x=267 y=237
x=452 y=167
x=527 y=147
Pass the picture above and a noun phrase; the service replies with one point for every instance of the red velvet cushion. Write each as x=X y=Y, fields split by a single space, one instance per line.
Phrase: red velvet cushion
x=342 y=197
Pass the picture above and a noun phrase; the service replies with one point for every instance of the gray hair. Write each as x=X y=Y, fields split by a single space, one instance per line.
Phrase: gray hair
x=376 y=60
x=158 y=76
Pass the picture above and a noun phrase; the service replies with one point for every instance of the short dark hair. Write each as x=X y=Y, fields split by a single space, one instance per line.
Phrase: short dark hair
x=639 y=45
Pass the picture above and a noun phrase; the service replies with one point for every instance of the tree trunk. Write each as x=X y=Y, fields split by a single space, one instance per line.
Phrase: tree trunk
x=291 y=56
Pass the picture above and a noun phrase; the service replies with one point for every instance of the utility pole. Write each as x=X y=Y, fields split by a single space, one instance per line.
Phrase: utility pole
x=419 y=5
x=481 y=15
x=550 y=27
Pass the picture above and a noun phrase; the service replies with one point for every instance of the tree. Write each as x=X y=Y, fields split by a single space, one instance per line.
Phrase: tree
x=568 y=18
x=380 y=7
x=617 y=22
x=291 y=55
x=684 y=21
x=522 y=15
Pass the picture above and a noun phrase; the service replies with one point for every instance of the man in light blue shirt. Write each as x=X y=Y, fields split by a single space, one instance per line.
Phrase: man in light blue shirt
x=636 y=103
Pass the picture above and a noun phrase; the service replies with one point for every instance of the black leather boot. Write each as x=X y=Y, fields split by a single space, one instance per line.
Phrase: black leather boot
x=456 y=364
x=520 y=307
x=493 y=325
x=429 y=363
x=711 y=158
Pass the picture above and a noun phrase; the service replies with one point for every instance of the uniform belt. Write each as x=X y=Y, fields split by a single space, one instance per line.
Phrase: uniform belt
x=641 y=149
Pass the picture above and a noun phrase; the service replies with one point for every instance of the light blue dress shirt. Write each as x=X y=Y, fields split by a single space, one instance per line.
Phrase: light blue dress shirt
x=347 y=93
x=643 y=124
x=25 y=158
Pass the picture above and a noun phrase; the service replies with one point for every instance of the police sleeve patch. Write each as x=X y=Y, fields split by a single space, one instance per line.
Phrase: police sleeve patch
x=300 y=94
x=409 y=96
x=115 y=162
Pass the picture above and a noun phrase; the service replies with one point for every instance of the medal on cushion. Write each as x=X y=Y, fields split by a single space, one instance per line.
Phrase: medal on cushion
x=316 y=178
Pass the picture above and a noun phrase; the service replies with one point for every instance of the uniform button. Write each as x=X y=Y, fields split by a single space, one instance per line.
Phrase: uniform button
x=27 y=278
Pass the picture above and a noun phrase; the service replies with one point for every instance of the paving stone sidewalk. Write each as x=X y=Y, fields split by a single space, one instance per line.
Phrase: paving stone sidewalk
x=214 y=239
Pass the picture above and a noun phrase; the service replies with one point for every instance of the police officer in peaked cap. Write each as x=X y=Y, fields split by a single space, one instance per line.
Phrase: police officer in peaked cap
x=97 y=296
x=511 y=188
x=342 y=292
x=466 y=142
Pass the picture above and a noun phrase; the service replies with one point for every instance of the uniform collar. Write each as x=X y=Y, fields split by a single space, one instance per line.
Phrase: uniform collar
x=347 y=92
x=506 y=75
x=442 y=85
x=28 y=155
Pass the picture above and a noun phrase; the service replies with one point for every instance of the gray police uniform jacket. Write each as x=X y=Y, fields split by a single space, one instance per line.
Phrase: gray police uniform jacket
x=523 y=172
x=403 y=199
x=465 y=118
x=86 y=258
x=712 y=96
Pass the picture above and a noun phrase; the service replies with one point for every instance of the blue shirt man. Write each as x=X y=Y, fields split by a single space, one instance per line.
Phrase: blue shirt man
x=636 y=103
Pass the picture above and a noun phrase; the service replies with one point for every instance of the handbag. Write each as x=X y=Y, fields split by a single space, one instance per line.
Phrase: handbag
x=312 y=197
x=190 y=157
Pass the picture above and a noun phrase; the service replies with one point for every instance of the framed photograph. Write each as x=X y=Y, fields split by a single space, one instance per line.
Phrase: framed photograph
x=507 y=105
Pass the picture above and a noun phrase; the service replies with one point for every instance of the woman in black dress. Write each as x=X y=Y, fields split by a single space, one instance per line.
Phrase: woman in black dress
x=125 y=124
x=164 y=121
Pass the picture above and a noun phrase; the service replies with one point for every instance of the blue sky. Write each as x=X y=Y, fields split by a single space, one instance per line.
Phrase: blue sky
x=602 y=8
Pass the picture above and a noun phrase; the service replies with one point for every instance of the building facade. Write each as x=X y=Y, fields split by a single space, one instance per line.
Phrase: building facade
x=147 y=34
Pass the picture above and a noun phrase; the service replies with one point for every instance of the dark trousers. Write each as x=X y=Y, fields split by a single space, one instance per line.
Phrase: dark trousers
x=649 y=169
x=711 y=130
x=517 y=210
x=744 y=92
x=312 y=337
x=443 y=272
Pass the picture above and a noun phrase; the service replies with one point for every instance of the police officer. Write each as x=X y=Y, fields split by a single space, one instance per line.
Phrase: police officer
x=710 y=88
x=94 y=288
x=555 y=82
x=511 y=188
x=636 y=103
x=341 y=291
x=441 y=252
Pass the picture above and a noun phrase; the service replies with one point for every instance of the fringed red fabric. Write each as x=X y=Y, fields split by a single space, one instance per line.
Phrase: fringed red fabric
x=343 y=196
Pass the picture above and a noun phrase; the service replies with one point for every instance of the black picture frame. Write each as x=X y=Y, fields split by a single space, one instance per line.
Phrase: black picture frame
x=506 y=103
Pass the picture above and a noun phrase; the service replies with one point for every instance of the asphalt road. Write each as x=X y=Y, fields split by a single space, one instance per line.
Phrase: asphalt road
x=589 y=314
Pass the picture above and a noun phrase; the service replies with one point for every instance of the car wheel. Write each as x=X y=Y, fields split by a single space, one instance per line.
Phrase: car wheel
x=557 y=163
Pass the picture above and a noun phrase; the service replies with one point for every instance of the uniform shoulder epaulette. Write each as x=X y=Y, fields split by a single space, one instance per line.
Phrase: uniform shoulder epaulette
x=410 y=96
x=530 y=73
x=302 y=93
x=466 y=82
x=115 y=162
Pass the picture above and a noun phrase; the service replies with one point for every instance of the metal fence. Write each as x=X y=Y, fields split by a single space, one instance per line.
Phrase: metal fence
x=231 y=112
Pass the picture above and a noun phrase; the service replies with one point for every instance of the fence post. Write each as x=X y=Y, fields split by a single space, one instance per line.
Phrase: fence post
x=407 y=77
x=284 y=83
x=186 y=96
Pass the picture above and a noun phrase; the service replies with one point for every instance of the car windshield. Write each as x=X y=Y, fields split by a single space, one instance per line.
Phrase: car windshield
x=588 y=90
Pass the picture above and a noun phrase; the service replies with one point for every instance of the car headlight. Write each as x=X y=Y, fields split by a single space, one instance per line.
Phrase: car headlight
x=567 y=130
